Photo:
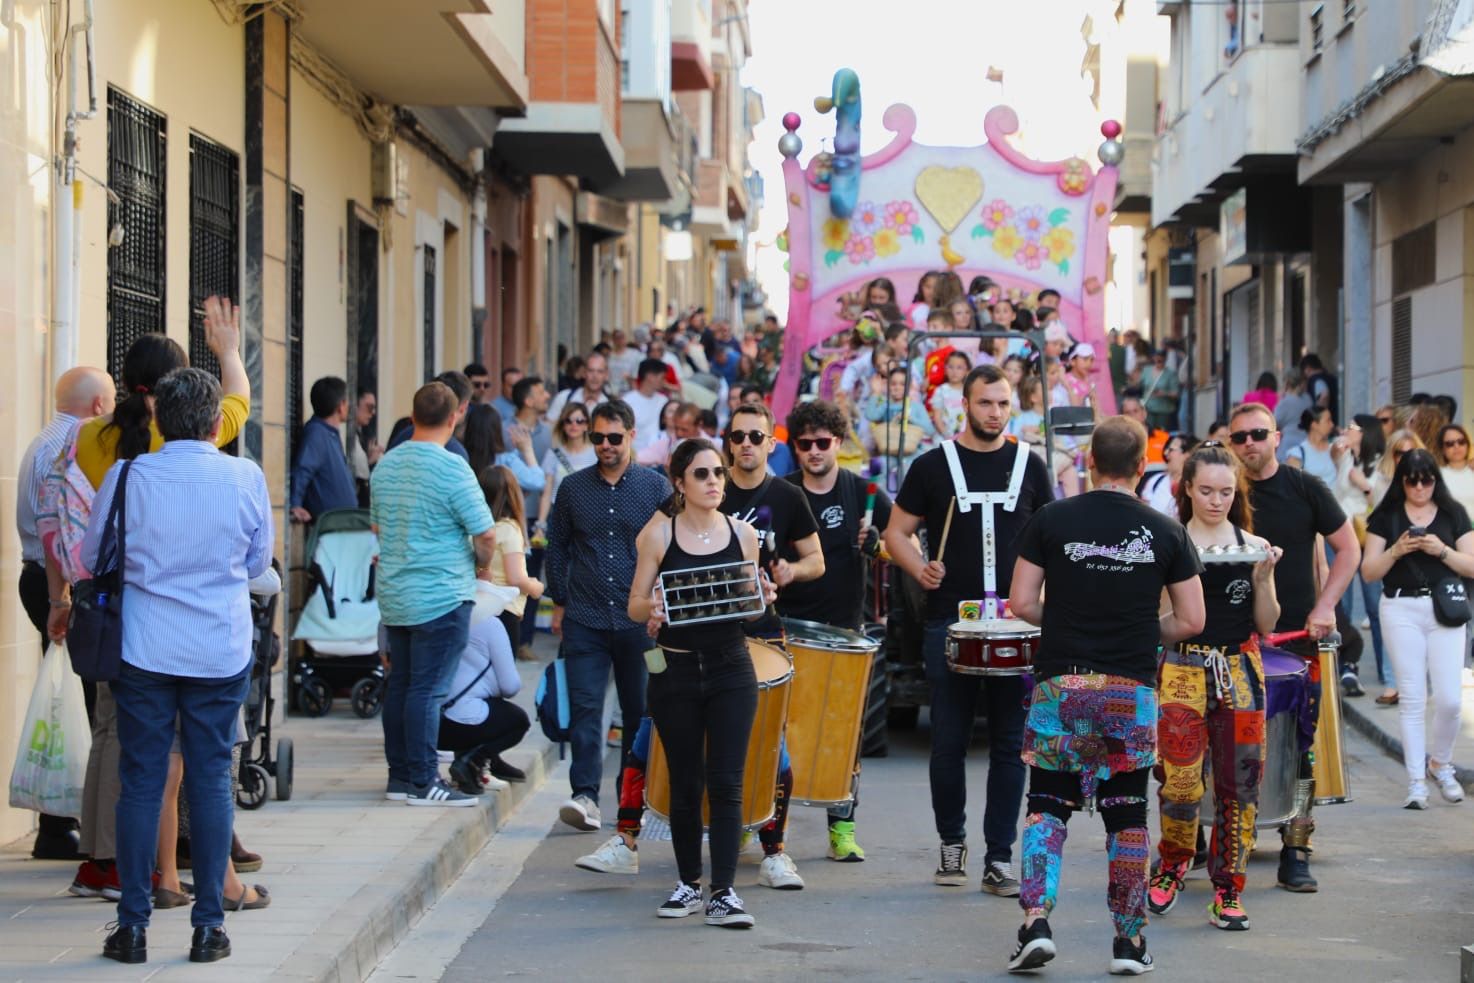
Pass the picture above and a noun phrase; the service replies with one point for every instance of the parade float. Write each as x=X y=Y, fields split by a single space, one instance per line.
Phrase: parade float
x=909 y=209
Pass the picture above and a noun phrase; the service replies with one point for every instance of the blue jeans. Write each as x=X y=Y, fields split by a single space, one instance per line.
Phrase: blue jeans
x=954 y=700
x=528 y=630
x=1371 y=596
x=148 y=704
x=589 y=654
x=422 y=663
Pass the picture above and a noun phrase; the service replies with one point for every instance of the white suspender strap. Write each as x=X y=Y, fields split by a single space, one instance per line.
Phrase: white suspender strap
x=959 y=483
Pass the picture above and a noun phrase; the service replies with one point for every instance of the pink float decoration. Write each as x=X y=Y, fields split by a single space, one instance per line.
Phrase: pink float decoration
x=791 y=121
x=1110 y=129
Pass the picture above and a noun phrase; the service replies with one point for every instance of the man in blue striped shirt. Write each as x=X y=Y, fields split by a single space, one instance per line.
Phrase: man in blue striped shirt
x=430 y=515
x=198 y=530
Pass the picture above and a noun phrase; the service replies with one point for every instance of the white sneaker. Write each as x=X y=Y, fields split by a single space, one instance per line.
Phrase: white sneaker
x=581 y=813
x=614 y=857
x=1448 y=785
x=780 y=872
x=492 y=783
x=1417 y=795
x=1365 y=624
x=444 y=757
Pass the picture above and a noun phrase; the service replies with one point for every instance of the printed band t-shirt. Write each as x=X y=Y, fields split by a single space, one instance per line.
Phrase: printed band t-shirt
x=838 y=597
x=1106 y=559
x=1290 y=507
x=927 y=492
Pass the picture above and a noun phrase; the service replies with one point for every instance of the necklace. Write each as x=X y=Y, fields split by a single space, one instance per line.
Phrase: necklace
x=702 y=534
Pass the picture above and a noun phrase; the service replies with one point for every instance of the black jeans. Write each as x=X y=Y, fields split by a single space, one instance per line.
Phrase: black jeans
x=705 y=699
x=506 y=723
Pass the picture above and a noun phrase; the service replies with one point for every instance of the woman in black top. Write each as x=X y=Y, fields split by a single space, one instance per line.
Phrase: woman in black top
x=1416 y=537
x=1212 y=695
x=706 y=696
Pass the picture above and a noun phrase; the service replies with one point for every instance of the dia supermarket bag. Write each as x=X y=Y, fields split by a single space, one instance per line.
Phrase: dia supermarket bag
x=51 y=762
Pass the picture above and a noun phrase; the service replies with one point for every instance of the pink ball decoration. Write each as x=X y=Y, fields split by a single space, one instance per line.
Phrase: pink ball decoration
x=1110 y=129
x=791 y=121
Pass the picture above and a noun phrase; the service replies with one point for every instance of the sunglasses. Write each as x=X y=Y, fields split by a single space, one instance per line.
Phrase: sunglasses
x=1456 y=442
x=1384 y=420
x=577 y=421
x=701 y=474
x=480 y=385
x=737 y=437
x=1258 y=435
x=1420 y=479
x=615 y=439
x=807 y=443
x=1210 y=443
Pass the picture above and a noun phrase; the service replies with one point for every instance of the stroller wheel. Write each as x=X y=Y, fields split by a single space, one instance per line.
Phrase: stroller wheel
x=284 y=769
x=314 y=697
x=252 y=791
x=368 y=697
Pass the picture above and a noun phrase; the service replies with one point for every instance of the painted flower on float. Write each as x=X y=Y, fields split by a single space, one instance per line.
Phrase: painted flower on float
x=1030 y=255
x=996 y=213
x=860 y=249
x=1006 y=241
x=836 y=231
x=1032 y=222
x=867 y=218
x=1060 y=244
x=901 y=216
x=887 y=243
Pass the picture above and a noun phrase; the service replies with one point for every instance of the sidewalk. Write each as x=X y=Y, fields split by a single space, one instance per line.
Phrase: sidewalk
x=1383 y=727
x=349 y=873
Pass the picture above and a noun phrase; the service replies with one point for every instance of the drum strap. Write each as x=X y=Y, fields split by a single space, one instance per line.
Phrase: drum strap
x=966 y=499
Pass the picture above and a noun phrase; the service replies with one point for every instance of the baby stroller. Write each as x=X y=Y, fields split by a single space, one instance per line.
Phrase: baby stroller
x=339 y=624
x=257 y=766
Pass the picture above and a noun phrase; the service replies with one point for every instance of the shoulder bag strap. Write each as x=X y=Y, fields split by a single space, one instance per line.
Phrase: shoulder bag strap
x=452 y=701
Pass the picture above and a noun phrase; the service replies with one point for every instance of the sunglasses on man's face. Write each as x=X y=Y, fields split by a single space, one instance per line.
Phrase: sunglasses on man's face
x=1259 y=435
x=701 y=474
x=805 y=444
x=754 y=436
x=615 y=439
x=481 y=385
x=1420 y=479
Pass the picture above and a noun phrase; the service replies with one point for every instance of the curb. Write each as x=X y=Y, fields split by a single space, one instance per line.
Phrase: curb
x=385 y=910
x=1369 y=729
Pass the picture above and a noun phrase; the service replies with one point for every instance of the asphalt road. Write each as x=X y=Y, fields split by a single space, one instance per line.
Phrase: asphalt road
x=1394 y=902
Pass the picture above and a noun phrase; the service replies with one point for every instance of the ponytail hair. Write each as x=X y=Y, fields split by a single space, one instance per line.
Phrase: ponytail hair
x=1240 y=513
x=149 y=359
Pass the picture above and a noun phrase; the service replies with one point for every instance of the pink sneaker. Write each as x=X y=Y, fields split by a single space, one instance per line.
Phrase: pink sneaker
x=1164 y=886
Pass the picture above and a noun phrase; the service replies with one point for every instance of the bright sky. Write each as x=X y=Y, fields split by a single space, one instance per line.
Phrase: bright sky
x=934 y=56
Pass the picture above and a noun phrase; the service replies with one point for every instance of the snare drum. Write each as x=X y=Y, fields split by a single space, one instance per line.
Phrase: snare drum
x=831 y=678
x=760 y=770
x=992 y=647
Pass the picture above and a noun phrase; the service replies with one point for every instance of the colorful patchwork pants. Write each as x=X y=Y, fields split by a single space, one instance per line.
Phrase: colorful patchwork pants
x=1212 y=708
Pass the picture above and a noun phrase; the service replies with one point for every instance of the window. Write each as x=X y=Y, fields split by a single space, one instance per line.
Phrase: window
x=136 y=152
x=1348 y=10
x=429 y=299
x=624 y=49
x=1317 y=27
x=1402 y=349
x=294 y=325
x=214 y=238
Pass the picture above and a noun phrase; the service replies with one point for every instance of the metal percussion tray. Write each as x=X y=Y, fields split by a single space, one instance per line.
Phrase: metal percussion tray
x=720 y=592
x=1232 y=554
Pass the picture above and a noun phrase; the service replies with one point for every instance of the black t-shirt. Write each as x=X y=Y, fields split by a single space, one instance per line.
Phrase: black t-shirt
x=1289 y=509
x=927 y=492
x=780 y=514
x=1106 y=558
x=838 y=597
x=1228 y=600
x=1391 y=523
x=1324 y=384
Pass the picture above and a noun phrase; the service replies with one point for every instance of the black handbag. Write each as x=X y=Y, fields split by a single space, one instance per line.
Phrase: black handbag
x=1451 y=602
x=95 y=630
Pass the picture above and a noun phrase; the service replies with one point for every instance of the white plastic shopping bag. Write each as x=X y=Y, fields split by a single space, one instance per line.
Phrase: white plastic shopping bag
x=51 y=763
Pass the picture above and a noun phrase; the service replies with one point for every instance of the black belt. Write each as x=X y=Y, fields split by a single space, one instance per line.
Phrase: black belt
x=1410 y=592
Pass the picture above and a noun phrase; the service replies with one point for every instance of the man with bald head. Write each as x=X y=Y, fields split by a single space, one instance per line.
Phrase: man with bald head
x=80 y=393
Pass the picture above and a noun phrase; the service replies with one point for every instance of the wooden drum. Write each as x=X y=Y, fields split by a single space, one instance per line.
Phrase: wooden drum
x=760 y=771
x=831 y=678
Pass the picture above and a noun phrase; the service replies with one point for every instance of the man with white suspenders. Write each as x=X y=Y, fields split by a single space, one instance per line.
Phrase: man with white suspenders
x=990 y=485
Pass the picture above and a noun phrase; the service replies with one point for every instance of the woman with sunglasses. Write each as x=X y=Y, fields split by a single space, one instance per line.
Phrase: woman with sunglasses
x=1399 y=443
x=1212 y=695
x=1453 y=458
x=707 y=695
x=571 y=451
x=1416 y=538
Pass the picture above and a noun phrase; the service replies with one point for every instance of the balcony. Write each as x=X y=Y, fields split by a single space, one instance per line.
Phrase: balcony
x=652 y=160
x=1138 y=136
x=690 y=45
x=464 y=53
x=1237 y=128
x=572 y=123
x=710 y=205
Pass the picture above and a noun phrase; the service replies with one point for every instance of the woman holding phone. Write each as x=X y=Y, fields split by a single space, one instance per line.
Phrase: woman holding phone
x=705 y=696
x=1416 y=537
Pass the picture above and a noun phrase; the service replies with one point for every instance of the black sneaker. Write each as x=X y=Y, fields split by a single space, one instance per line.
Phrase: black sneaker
x=725 y=910
x=998 y=879
x=467 y=776
x=500 y=769
x=1294 y=871
x=1128 y=959
x=1350 y=685
x=952 y=869
x=1035 y=947
x=684 y=900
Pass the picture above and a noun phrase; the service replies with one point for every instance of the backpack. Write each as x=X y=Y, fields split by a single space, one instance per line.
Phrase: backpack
x=551 y=702
x=66 y=505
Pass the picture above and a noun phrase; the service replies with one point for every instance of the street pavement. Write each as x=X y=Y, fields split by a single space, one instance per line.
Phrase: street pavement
x=1394 y=902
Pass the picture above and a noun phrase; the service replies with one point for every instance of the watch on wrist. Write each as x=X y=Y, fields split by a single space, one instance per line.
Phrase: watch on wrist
x=1442 y=556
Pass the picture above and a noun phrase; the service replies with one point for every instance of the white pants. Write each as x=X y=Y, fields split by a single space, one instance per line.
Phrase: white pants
x=1423 y=652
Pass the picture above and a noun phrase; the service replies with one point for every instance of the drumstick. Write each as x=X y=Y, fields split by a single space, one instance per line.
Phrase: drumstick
x=946 y=528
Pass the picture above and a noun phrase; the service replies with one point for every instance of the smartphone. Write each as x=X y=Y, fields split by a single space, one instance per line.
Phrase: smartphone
x=1418 y=531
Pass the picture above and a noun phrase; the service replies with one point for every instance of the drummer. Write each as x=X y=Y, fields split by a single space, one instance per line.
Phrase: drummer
x=705 y=698
x=1294 y=510
x=789 y=540
x=1103 y=559
x=1211 y=690
x=979 y=470
x=850 y=512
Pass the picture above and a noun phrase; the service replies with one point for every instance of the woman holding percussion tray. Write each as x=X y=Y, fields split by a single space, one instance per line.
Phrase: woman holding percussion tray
x=1212 y=691
x=705 y=693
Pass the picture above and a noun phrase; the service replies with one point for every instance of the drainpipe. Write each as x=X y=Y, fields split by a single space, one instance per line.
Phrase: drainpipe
x=478 y=262
x=66 y=242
